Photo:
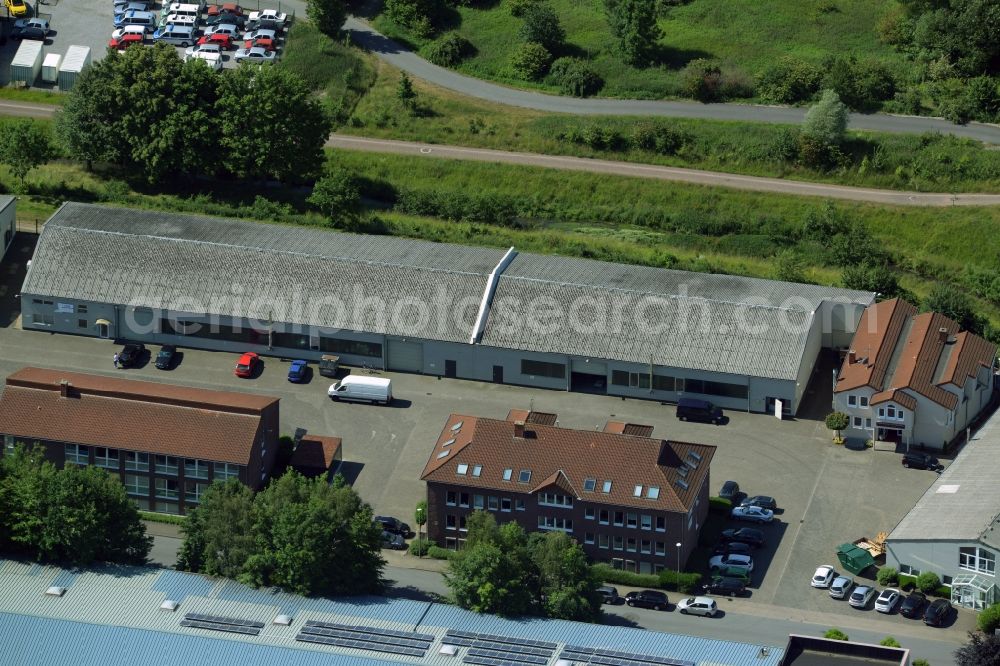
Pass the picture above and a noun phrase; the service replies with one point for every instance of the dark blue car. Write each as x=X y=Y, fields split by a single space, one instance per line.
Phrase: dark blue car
x=297 y=371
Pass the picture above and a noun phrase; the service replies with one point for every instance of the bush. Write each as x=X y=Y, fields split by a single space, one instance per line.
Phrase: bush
x=607 y=574
x=889 y=641
x=928 y=582
x=921 y=662
x=659 y=138
x=979 y=100
x=419 y=547
x=887 y=576
x=836 y=634
x=989 y=619
x=720 y=505
x=518 y=7
x=861 y=85
x=686 y=583
x=702 y=80
x=575 y=77
x=826 y=121
x=530 y=61
x=449 y=50
x=458 y=206
x=541 y=25
x=439 y=553
x=789 y=80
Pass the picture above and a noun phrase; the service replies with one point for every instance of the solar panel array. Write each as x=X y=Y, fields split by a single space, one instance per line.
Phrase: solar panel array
x=217 y=623
x=366 y=638
x=585 y=655
x=490 y=650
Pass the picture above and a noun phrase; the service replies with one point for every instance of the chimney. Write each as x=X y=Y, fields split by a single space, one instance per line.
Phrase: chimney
x=519 y=429
x=852 y=357
x=943 y=335
x=64 y=387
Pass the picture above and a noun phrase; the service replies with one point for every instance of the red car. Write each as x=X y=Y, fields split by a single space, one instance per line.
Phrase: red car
x=121 y=39
x=224 y=41
x=262 y=42
x=229 y=8
x=247 y=364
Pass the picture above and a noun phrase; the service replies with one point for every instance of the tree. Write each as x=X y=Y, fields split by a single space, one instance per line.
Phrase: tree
x=889 y=641
x=405 y=92
x=826 y=121
x=417 y=15
x=218 y=539
x=836 y=634
x=567 y=584
x=981 y=650
x=837 y=421
x=493 y=576
x=928 y=582
x=420 y=516
x=876 y=277
x=541 y=26
x=530 y=61
x=25 y=145
x=272 y=125
x=633 y=22
x=989 y=619
x=790 y=267
x=327 y=15
x=953 y=303
x=887 y=576
x=337 y=196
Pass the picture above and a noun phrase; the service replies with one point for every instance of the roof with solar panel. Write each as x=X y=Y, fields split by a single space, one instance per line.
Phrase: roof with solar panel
x=124 y=615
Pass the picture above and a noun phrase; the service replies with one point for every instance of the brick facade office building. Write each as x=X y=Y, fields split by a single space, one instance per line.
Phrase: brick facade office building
x=627 y=497
x=166 y=443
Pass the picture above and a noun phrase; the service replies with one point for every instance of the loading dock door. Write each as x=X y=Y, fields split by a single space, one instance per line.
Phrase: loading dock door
x=405 y=356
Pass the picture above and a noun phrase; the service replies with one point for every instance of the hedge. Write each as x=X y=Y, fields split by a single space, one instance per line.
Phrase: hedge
x=909 y=582
x=720 y=504
x=439 y=553
x=666 y=579
x=167 y=518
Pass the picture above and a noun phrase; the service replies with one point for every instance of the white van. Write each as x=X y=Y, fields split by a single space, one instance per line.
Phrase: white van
x=180 y=9
x=179 y=20
x=178 y=35
x=213 y=60
x=364 y=389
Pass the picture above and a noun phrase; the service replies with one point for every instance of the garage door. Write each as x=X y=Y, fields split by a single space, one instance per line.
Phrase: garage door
x=406 y=356
x=591 y=368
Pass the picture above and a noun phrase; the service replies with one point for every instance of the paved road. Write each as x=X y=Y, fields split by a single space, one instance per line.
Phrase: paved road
x=408 y=61
x=695 y=176
x=26 y=109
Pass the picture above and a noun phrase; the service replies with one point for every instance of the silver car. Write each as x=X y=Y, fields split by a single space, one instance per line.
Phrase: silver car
x=841 y=587
x=254 y=54
x=698 y=606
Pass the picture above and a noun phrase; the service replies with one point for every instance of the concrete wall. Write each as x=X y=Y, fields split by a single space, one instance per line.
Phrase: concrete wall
x=814 y=342
x=838 y=322
x=8 y=225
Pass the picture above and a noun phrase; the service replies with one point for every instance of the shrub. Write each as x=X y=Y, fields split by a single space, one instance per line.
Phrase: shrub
x=419 y=547
x=889 y=641
x=530 y=61
x=599 y=137
x=417 y=15
x=894 y=28
x=541 y=25
x=887 y=576
x=818 y=154
x=607 y=574
x=449 y=50
x=684 y=583
x=928 y=582
x=736 y=84
x=862 y=85
x=979 y=100
x=836 y=634
x=659 y=138
x=702 y=80
x=789 y=80
x=518 y=7
x=575 y=77
x=989 y=619
x=921 y=662
x=439 y=553
x=720 y=505
x=826 y=121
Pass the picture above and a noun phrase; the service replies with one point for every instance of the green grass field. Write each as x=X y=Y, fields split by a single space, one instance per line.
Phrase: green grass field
x=744 y=35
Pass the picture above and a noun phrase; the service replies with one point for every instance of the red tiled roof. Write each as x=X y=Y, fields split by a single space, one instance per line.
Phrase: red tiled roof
x=971 y=353
x=623 y=428
x=528 y=416
x=899 y=397
x=874 y=341
x=315 y=452
x=558 y=456
x=131 y=415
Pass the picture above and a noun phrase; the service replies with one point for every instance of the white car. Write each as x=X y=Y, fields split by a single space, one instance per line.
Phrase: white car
x=128 y=29
x=887 y=600
x=752 y=513
x=698 y=606
x=260 y=32
x=841 y=587
x=823 y=577
x=255 y=54
x=269 y=15
x=213 y=60
x=731 y=560
x=861 y=595
x=223 y=29
x=191 y=51
x=21 y=24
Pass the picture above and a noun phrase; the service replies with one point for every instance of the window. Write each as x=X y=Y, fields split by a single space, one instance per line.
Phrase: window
x=555 y=499
x=193 y=491
x=661 y=548
x=543 y=369
x=881 y=412
x=195 y=469
x=505 y=504
x=603 y=541
x=637 y=491
x=524 y=476
x=451 y=498
x=632 y=520
x=661 y=524
x=463 y=499
x=555 y=523
x=645 y=546
x=891 y=412
x=619 y=543
x=493 y=503
x=82 y=323
x=619 y=518
x=630 y=544
x=946 y=580
x=166 y=465
x=588 y=537
x=653 y=492
x=857 y=421
x=864 y=401
x=977 y=559
x=908 y=570
x=76 y=454
x=647 y=522
x=630 y=379
x=664 y=383
x=589 y=485
x=477 y=471
x=477 y=501
x=168 y=507
x=225 y=471
x=451 y=522
x=724 y=389
x=8 y=444
x=519 y=505
x=136 y=462
x=462 y=469
x=603 y=517
x=461 y=524
x=167 y=488
x=868 y=423
x=606 y=488
x=353 y=347
x=42 y=319
x=136 y=484
x=106 y=458
x=507 y=473
x=589 y=513
x=81 y=309
x=852 y=400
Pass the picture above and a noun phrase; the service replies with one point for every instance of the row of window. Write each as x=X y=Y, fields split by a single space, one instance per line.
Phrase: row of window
x=493 y=503
x=627 y=544
x=136 y=484
x=667 y=383
x=977 y=559
x=628 y=519
x=79 y=454
x=555 y=499
x=217 y=331
x=857 y=400
x=543 y=369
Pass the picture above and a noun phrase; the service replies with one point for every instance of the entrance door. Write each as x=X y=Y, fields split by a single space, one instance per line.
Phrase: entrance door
x=450 y=369
x=103 y=328
x=498 y=374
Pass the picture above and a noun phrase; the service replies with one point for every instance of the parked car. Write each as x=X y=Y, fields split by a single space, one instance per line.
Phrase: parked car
x=738 y=572
x=190 y=51
x=698 y=606
x=17 y=7
x=266 y=43
x=33 y=28
x=918 y=460
x=609 y=595
x=823 y=577
x=131 y=354
x=731 y=491
x=122 y=39
x=913 y=605
x=937 y=612
x=132 y=5
x=861 y=596
x=887 y=600
x=762 y=501
x=269 y=15
x=223 y=29
x=264 y=23
x=165 y=357
x=727 y=585
x=754 y=514
x=225 y=8
x=247 y=364
x=647 y=599
x=298 y=371
x=748 y=535
x=393 y=541
x=260 y=32
x=727 y=548
x=225 y=17
x=696 y=409
x=726 y=561
x=222 y=40
x=255 y=54
x=841 y=587
x=394 y=525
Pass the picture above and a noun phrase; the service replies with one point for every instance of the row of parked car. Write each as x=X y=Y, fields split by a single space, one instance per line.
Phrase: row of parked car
x=913 y=605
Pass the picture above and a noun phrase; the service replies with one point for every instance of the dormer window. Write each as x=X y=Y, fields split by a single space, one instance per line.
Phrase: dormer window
x=524 y=476
x=462 y=469
x=589 y=485
x=606 y=488
x=637 y=491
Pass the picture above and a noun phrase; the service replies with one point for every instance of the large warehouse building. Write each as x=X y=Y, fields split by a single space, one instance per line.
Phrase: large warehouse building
x=446 y=310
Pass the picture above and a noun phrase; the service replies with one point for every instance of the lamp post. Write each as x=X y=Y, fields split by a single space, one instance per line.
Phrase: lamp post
x=678 y=562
